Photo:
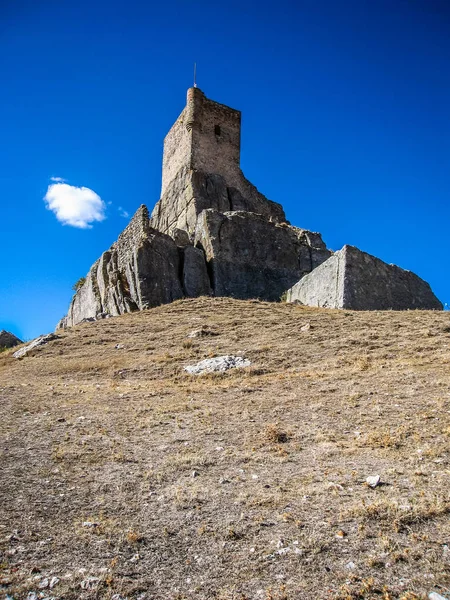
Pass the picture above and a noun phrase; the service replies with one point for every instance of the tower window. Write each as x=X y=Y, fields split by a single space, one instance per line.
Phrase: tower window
x=217 y=129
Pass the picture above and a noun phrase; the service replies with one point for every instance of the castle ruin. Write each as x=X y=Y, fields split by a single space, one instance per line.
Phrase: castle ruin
x=213 y=233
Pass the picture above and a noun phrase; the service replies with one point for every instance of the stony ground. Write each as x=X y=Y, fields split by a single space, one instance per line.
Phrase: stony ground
x=123 y=477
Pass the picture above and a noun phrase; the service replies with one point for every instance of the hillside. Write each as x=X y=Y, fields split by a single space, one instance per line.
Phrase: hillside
x=122 y=476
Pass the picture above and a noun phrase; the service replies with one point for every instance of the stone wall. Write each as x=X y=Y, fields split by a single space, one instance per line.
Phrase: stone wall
x=216 y=141
x=177 y=151
x=205 y=137
x=356 y=280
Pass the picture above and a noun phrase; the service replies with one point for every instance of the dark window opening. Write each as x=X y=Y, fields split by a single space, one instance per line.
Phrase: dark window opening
x=217 y=129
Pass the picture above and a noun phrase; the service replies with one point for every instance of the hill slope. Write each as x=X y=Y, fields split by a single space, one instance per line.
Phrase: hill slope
x=124 y=477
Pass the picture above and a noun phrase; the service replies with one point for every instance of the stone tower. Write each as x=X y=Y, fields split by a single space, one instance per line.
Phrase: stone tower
x=201 y=168
x=206 y=137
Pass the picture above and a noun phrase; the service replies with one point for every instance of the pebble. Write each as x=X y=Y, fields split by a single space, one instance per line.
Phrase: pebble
x=373 y=480
x=436 y=596
x=351 y=565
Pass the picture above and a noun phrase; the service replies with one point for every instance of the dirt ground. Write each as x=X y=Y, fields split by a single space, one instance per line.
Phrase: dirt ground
x=124 y=477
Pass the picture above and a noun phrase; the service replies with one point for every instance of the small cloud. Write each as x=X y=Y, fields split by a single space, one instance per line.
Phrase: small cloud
x=123 y=213
x=58 y=179
x=75 y=206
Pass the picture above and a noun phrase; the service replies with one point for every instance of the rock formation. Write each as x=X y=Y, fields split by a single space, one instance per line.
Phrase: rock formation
x=8 y=340
x=356 y=280
x=213 y=233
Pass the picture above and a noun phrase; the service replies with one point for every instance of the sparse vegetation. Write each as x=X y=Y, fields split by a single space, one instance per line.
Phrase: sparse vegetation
x=76 y=286
x=124 y=477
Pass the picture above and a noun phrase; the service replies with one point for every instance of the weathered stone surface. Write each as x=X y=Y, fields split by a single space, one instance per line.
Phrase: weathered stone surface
x=40 y=341
x=251 y=257
x=219 y=363
x=180 y=237
x=140 y=270
x=195 y=275
x=356 y=280
x=8 y=340
x=191 y=192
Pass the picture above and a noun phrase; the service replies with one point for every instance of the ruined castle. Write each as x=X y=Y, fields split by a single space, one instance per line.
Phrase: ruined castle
x=213 y=233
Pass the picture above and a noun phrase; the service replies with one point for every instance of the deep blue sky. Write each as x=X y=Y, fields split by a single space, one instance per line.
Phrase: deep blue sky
x=346 y=122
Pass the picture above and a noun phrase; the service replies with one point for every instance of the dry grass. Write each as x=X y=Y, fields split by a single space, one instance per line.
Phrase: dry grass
x=124 y=477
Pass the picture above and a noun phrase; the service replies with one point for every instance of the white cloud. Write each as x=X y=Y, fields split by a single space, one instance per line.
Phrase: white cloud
x=57 y=179
x=123 y=213
x=75 y=206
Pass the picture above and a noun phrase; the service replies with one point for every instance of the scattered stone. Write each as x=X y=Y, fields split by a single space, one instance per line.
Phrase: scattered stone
x=40 y=341
x=219 y=363
x=340 y=535
x=373 y=480
x=90 y=583
x=119 y=347
x=202 y=332
x=90 y=524
x=436 y=596
x=306 y=327
x=53 y=581
x=44 y=583
x=32 y=596
x=8 y=339
x=195 y=474
x=350 y=565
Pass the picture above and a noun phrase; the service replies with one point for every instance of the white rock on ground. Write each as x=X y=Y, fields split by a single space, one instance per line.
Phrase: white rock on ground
x=373 y=480
x=40 y=341
x=219 y=363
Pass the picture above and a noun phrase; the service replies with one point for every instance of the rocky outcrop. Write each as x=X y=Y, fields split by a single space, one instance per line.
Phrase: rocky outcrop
x=356 y=280
x=192 y=192
x=8 y=340
x=251 y=257
x=140 y=270
x=39 y=341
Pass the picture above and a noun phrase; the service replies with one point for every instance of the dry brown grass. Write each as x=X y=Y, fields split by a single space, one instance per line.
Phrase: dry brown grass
x=125 y=477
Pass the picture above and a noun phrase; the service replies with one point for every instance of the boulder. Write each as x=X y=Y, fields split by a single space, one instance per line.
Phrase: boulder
x=195 y=278
x=251 y=257
x=40 y=341
x=217 y=364
x=356 y=280
x=8 y=340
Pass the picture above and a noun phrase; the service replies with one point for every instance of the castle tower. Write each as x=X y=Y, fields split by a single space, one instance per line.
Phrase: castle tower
x=206 y=137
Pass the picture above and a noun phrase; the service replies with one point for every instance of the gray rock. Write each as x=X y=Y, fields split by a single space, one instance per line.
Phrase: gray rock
x=195 y=278
x=140 y=270
x=436 y=596
x=180 y=237
x=40 y=341
x=8 y=340
x=356 y=280
x=373 y=480
x=219 y=363
x=192 y=191
x=251 y=257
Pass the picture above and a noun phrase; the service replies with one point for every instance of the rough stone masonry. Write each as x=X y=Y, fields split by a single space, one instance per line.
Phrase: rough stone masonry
x=213 y=233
